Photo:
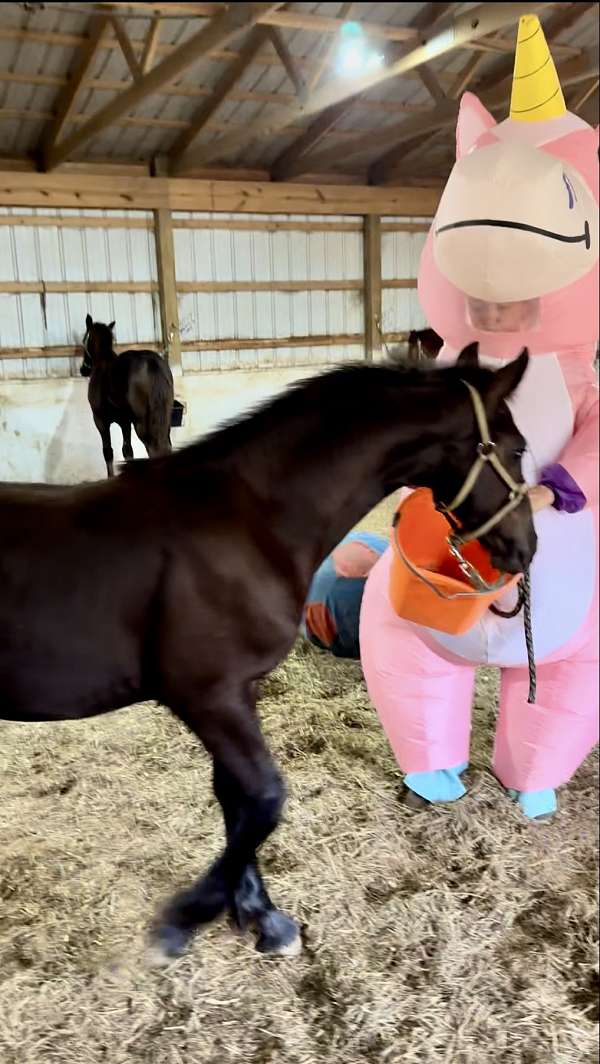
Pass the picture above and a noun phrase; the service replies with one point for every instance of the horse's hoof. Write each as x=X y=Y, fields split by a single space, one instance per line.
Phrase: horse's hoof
x=414 y=801
x=279 y=935
x=167 y=943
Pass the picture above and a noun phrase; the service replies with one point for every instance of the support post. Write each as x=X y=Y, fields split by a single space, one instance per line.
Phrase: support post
x=167 y=288
x=372 y=286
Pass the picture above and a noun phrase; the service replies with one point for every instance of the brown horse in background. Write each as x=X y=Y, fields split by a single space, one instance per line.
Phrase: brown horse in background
x=133 y=388
x=183 y=580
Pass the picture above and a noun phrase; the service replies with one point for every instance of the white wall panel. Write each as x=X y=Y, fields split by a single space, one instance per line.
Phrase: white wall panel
x=50 y=253
x=264 y=256
x=400 y=257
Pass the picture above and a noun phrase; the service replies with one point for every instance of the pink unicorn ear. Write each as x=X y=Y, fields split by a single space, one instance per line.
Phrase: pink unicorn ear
x=473 y=120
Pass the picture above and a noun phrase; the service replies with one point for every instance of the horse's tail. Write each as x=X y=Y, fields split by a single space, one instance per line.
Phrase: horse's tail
x=160 y=403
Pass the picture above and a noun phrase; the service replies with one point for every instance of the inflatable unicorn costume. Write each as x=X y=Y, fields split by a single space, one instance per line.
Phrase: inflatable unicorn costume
x=511 y=260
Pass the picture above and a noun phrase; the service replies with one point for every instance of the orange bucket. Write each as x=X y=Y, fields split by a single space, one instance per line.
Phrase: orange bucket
x=427 y=585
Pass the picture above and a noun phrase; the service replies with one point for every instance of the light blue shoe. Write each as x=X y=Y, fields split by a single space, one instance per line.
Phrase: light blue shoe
x=535 y=805
x=440 y=785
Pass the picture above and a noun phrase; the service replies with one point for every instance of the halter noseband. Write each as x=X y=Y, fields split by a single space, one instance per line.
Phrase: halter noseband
x=487 y=454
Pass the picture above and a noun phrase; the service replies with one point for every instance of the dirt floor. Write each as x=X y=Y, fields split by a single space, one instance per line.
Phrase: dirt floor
x=463 y=935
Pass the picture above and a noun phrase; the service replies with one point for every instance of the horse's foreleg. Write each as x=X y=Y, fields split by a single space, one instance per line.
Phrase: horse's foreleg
x=104 y=430
x=127 y=448
x=251 y=904
x=253 y=794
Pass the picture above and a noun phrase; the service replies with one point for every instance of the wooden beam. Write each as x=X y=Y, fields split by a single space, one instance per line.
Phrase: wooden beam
x=330 y=47
x=182 y=88
x=272 y=286
x=269 y=343
x=223 y=28
x=477 y=22
x=167 y=290
x=151 y=46
x=66 y=101
x=584 y=94
x=292 y=161
x=292 y=20
x=32 y=189
x=289 y=63
x=60 y=287
x=465 y=75
x=72 y=351
x=432 y=84
x=123 y=38
x=372 y=286
x=225 y=84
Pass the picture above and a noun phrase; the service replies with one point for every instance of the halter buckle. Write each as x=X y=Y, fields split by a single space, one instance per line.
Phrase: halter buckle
x=486 y=450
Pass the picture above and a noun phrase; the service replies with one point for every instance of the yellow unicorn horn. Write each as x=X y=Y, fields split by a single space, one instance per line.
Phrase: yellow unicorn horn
x=536 y=92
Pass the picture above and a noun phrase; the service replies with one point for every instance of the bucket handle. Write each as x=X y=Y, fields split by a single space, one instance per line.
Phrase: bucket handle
x=420 y=576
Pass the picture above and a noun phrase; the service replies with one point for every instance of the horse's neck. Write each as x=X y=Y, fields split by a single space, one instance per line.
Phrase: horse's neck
x=319 y=497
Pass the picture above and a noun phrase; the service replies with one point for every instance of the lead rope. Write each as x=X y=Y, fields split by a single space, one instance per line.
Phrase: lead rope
x=524 y=603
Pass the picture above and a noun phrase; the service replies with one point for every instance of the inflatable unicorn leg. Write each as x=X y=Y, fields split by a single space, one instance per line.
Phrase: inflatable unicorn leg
x=423 y=699
x=540 y=747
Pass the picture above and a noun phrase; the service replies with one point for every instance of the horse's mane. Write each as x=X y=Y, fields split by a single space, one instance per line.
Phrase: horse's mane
x=351 y=385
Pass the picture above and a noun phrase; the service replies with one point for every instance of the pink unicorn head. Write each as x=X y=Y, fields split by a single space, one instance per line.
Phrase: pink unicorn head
x=512 y=255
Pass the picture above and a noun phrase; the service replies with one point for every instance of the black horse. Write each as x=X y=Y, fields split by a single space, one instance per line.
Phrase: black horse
x=183 y=579
x=424 y=343
x=133 y=388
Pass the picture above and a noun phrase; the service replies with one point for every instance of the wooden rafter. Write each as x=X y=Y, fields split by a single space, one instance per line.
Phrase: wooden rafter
x=289 y=63
x=126 y=47
x=230 y=78
x=384 y=169
x=465 y=76
x=344 y=14
x=75 y=40
x=66 y=101
x=198 y=91
x=222 y=28
x=425 y=19
x=292 y=161
x=476 y=23
x=584 y=94
x=150 y=46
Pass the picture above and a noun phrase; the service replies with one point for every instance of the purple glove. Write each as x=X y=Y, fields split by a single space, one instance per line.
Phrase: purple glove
x=568 y=496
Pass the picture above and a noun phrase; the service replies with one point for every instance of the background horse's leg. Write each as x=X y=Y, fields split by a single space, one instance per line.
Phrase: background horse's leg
x=251 y=904
x=127 y=448
x=104 y=430
x=229 y=729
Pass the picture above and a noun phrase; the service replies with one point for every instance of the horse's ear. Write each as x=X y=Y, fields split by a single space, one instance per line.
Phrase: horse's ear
x=469 y=356
x=111 y=325
x=88 y=321
x=506 y=380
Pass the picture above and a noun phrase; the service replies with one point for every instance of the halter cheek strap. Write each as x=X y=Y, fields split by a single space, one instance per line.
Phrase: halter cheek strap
x=486 y=454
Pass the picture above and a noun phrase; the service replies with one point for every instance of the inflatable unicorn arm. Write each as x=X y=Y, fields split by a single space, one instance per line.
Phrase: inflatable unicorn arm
x=580 y=456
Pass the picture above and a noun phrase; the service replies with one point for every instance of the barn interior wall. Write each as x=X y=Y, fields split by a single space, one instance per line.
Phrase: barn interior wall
x=107 y=266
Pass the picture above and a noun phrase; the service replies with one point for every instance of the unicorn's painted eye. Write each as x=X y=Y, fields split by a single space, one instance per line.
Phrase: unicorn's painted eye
x=570 y=191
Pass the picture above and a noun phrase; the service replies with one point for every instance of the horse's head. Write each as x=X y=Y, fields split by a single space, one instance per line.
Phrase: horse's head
x=97 y=344
x=479 y=479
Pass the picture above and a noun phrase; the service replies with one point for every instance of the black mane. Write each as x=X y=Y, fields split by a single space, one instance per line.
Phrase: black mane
x=350 y=386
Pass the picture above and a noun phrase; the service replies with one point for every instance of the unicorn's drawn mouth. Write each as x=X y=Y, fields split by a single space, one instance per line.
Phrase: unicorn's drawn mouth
x=500 y=224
